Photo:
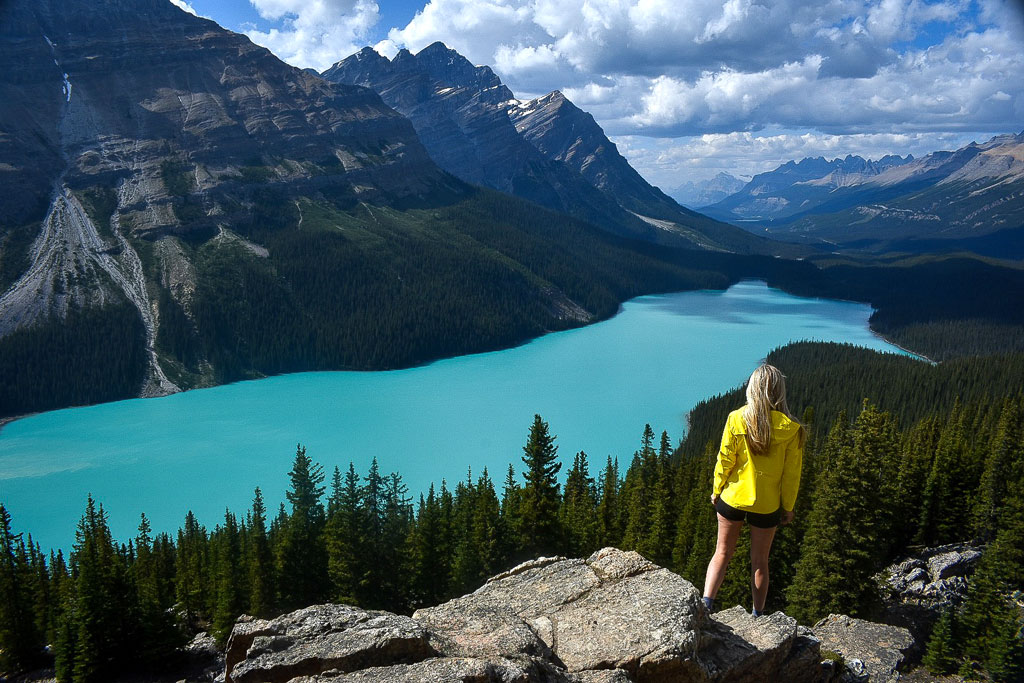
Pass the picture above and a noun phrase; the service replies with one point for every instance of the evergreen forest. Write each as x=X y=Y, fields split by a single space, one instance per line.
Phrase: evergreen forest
x=901 y=454
x=319 y=283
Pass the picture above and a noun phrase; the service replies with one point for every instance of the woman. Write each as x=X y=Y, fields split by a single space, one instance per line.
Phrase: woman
x=756 y=479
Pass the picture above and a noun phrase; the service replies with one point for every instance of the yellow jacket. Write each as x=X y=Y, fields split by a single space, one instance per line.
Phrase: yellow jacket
x=759 y=483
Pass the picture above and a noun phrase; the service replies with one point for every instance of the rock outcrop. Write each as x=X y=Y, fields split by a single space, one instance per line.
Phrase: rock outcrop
x=916 y=590
x=877 y=650
x=612 y=618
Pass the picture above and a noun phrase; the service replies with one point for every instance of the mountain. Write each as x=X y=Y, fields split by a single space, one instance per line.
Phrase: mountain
x=182 y=209
x=970 y=199
x=546 y=150
x=709 y=191
x=798 y=186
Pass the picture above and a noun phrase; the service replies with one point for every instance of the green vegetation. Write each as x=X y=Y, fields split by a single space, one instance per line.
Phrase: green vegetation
x=328 y=281
x=100 y=203
x=871 y=486
x=373 y=288
x=177 y=177
x=92 y=355
x=15 y=245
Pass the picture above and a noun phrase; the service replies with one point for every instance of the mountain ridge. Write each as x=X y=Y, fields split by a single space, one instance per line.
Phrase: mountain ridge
x=546 y=150
x=969 y=199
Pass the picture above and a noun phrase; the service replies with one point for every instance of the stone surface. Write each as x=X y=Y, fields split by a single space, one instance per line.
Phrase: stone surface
x=880 y=647
x=323 y=637
x=917 y=589
x=614 y=610
x=612 y=618
x=449 y=670
x=740 y=648
x=483 y=632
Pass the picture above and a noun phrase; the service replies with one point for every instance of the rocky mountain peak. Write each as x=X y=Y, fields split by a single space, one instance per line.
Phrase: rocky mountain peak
x=546 y=150
x=452 y=69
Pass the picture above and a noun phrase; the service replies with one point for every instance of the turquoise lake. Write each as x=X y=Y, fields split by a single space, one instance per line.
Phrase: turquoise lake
x=596 y=387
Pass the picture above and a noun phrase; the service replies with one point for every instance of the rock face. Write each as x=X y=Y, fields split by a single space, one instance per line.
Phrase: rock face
x=879 y=649
x=916 y=590
x=322 y=638
x=612 y=618
x=129 y=120
x=546 y=150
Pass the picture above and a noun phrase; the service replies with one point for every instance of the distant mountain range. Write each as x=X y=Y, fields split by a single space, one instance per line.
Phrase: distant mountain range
x=971 y=199
x=798 y=187
x=695 y=195
x=546 y=150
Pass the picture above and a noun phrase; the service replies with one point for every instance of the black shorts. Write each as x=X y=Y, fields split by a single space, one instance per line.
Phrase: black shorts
x=758 y=519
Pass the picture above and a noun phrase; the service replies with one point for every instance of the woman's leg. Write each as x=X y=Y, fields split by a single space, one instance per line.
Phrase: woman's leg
x=760 y=546
x=728 y=533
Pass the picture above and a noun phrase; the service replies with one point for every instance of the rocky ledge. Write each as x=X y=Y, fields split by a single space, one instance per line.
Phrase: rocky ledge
x=612 y=618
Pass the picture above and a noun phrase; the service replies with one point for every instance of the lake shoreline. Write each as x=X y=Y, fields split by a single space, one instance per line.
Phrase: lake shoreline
x=596 y=385
x=4 y=421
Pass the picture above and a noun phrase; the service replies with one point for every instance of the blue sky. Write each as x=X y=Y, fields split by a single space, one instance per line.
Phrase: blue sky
x=688 y=88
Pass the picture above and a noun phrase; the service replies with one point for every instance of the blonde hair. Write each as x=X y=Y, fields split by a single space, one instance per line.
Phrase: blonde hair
x=766 y=391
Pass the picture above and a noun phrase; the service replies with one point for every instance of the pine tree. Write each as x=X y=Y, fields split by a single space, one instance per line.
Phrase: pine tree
x=394 y=554
x=991 y=618
x=260 y=561
x=579 y=508
x=20 y=639
x=302 y=555
x=429 y=575
x=466 y=563
x=608 y=530
x=940 y=656
x=918 y=450
x=538 y=509
x=104 y=614
x=192 y=566
x=344 y=536
x=227 y=578
x=160 y=638
x=665 y=449
x=1005 y=450
x=657 y=543
x=489 y=533
x=944 y=514
x=843 y=545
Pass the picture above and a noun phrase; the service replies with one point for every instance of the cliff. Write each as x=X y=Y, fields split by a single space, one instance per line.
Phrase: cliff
x=614 y=617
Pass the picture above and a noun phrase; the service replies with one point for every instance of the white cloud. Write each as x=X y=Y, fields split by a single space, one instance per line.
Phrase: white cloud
x=182 y=5
x=661 y=67
x=840 y=69
x=315 y=33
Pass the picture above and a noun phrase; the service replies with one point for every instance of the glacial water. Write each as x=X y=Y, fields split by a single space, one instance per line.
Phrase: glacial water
x=596 y=386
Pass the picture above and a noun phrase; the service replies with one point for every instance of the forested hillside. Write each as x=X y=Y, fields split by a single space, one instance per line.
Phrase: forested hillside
x=901 y=453
x=337 y=285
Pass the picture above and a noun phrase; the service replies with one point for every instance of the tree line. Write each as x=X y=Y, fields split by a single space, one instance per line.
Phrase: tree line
x=874 y=485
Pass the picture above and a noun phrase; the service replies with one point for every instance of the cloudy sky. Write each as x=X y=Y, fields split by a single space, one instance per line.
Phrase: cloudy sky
x=688 y=88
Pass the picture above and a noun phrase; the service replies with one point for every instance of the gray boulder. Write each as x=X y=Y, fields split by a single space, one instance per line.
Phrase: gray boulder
x=738 y=645
x=612 y=618
x=449 y=670
x=916 y=590
x=319 y=638
x=613 y=610
x=880 y=648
